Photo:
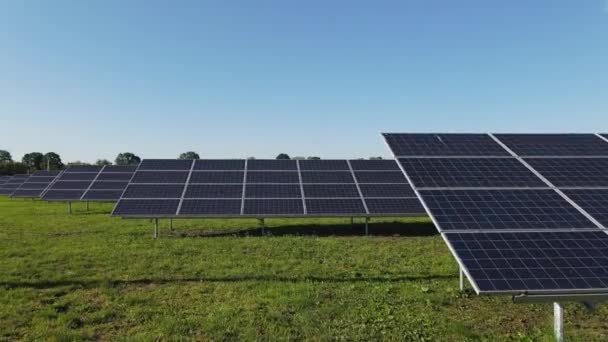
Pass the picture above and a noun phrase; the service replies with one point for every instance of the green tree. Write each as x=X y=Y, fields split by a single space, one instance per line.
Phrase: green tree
x=52 y=160
x=298 y=158
x=78 y=162
x=283 y=156
x=127 y=158
x=251 y=158
x=103 y=162
x=314 y=158
x=5 y=156
x=375 y=158
x=189 y=155
x=33 y=160
x=12 y=168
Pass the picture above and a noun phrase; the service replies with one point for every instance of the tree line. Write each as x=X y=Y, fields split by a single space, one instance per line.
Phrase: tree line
x=34 y=161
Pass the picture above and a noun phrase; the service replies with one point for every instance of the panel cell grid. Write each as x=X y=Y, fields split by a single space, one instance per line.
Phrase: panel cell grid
x=219 y=165
x=273 y=191
x=380 y=177
x=214 y=191
x=165 y=164
x=208 y=207
x=327 y=177
x=153 y=191
x=534 y=261
x=374 y=165
x=324 y=165
x=272 y=176
x=469 y=172
x=269 y=165
x=593 y=201
x=555 y=144
x=274 y=207
x=160 y=177
x=332 y=206
x=394 y=206
x=148 y=207
x=216 y=177
x=331 y=191
x=386 y=190
x=572 y=172
x=423 y=144
x=502 y=209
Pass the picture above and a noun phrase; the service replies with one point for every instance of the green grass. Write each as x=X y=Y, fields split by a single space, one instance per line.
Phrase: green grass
x=92 y=276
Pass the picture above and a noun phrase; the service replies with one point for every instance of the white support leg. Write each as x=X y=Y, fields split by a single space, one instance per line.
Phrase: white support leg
x=558 y=321
x=156 y=228
x=461 y=279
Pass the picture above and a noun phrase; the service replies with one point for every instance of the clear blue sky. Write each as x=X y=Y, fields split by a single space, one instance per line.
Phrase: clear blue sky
x=89 y=79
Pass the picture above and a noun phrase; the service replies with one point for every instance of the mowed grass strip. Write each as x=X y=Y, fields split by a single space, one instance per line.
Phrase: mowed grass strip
x=92 y=276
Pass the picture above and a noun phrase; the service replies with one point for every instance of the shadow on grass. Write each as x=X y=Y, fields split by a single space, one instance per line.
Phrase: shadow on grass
x=228 y=279
x=375 y=229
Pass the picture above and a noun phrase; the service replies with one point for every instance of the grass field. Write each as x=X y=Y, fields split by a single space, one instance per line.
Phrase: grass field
x=92 y=276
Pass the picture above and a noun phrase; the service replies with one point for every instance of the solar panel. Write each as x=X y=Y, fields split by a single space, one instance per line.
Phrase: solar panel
x=258 y=188
x=323 y=165
x=214 y=191
x=423 y=144
x=387 y=190
x=327 y=177
x=331 y=190
x=572 y=172
x=555 y=144
x=89 y=183
x=268 y=207
x=35 y=185
x=374 y=165
x=593 y=201
x=469 y=172
x=272 y=177
x=502 y=209
x=216 y=177
x=550 y=262
x=269 y=165
x=165 y=164
x=273 y=191
x=380 y=177
x=146 y=207
x=219 y=165
x=12 y=184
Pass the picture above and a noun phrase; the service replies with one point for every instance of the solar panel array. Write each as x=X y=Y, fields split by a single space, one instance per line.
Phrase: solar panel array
x=12 y=184
x=4 y=179
x=90 y=183
x=35 y=184
x=266 y=188
x=521 y=212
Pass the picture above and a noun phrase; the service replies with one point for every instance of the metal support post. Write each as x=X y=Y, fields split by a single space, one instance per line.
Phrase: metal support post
x=263 y=225
x=171 y=224
x=156 y=228
x=69 y=207
x=367 y=226
x=461 y=279
x=352 y=221
x=87 y=205
x=558 y=321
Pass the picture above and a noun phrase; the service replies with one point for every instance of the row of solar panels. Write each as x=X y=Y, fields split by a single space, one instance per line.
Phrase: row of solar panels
x=521 y=213
x=230 y=187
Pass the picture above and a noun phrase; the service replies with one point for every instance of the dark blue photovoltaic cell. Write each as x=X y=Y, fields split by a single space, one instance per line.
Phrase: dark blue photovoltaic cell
x=594 y=202
x=165 y=164
x=273 y=191
x=21 y=192
x=35 y=184
x=109 y=185
x=119 y=168
x=386 y=190
x=423 y=144
x=217 y=177
x=149 y=208
x=219 y=165
x=502 y=209
x=331 y=190
x=83 y=168
x=394 y=206
x=43 y=173
x=70 y=185
x=27 y=185
x=469 y=172
x=214 y=191
x=76 y=176
x=327 y=177
x=320 y=165
x=380 y=177
x=572 y=172
x=102 y=195
x=374 y=165
x=154 y=191
x=272 y=177
x=276 y=165
x=160 y=177
x=203 y=207
x=39 y=180
x=522 y=261
x=273 y=207
x=555 y=144
x=63 y=195
x=328 y=206
x=118 y=176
